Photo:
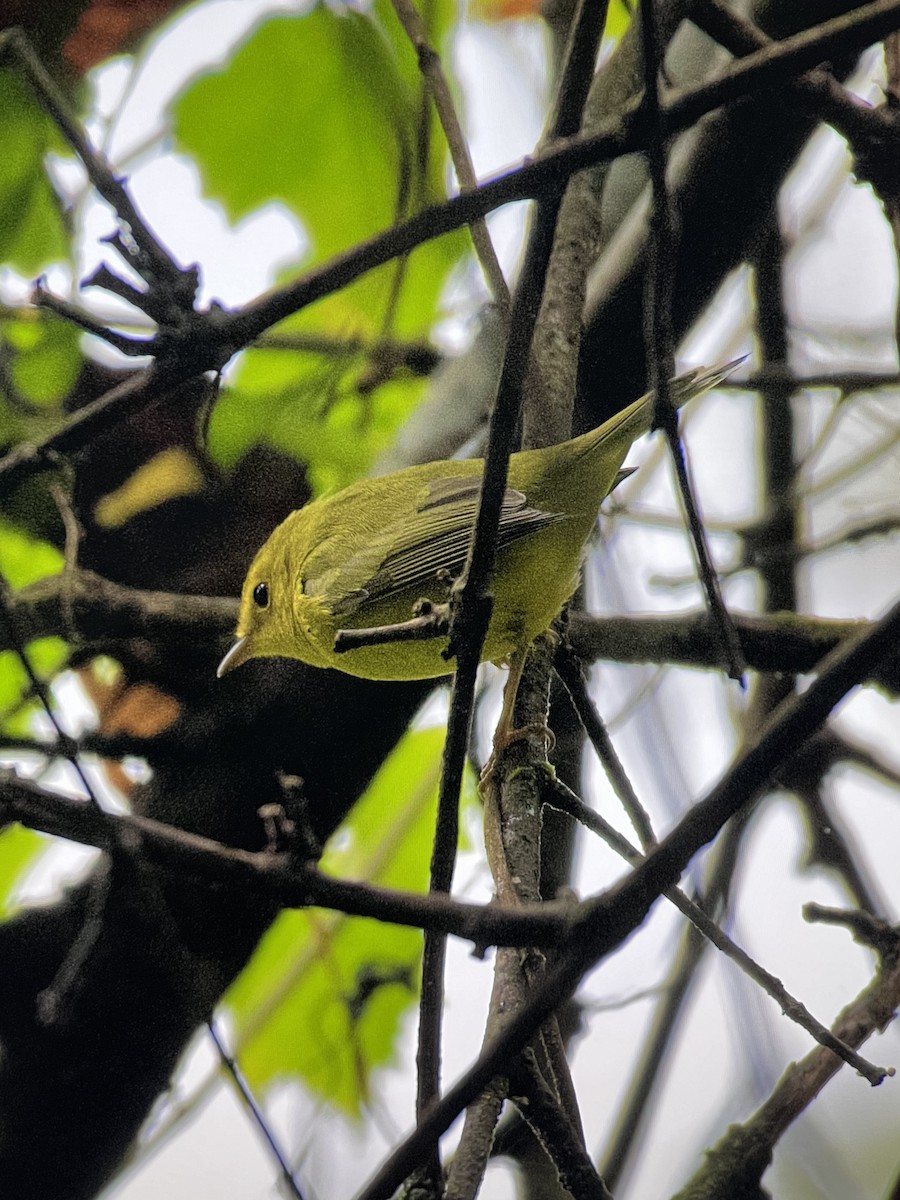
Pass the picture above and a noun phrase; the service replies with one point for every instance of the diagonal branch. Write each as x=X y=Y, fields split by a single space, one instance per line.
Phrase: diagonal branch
x=209 y=340
x=147 y=254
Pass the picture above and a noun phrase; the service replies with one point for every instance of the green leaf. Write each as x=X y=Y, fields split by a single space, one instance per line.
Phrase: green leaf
x=361 y=151
x=24 y=559
x=323 y=997
x=13 y=681
x=295 y=404
x=20 y=849
x=17 y=710
x=45 y=354
x=32 y=229
x=618 y=18
x=355 y=139
x=353 y=99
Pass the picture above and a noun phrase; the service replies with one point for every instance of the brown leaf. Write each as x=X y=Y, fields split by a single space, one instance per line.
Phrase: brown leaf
x=108 y=27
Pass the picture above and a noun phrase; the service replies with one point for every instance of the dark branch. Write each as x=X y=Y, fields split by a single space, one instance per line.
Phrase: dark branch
x=276 y=876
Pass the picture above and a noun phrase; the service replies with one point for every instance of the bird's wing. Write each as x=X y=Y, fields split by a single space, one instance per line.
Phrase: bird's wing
x=432 y=543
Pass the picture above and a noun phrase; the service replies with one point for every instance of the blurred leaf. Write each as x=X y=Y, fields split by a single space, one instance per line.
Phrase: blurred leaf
x=172 y=473
x=17 y=708
x=45 y=355
x=324 y=994
x=13 y=681
x=24 y=559
x=292 y=403
x=617 y=19
x=354 y=95
x=20 y=849
x=505 y=10
x=108 y=27
x=32 y=229
x=352 y=82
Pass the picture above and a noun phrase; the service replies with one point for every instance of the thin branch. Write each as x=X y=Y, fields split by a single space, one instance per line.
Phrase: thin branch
x=258 y=1117
x=547 y=1119
x=433 y=72
x=133 y=347
x=848 y=383
x=735 y=1165
x=431 y=624
x=675 y=992
x=559 y=796
x=68 y=747
x=871 y=131
x=830 y=843
x=568 y=667
x=660 y=339
x=884 y=177
x=867 y=929
x=471 y=606
x=555 y=351
x=658 y=334
x=555 y=290
x=417 y=357
x=148 y=255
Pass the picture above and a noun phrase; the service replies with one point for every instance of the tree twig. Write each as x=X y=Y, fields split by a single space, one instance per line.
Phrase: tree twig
x=148 y=255
x=433 y=72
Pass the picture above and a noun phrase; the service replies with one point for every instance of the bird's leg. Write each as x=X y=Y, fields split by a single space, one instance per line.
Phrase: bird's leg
x=488 y=784
x=505 y=732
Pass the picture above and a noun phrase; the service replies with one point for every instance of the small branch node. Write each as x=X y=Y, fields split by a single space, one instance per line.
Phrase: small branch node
x=867 y=929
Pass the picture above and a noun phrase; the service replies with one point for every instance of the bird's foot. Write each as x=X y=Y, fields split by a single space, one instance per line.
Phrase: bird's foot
x=503 y=739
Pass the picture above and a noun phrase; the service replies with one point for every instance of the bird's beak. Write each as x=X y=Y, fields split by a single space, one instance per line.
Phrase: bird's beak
x=239 y=653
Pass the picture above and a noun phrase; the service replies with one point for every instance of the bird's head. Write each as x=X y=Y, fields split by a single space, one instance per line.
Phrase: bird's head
x=265 y=623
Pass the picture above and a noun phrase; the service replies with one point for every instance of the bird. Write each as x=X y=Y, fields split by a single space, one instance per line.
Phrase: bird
x=368 y=555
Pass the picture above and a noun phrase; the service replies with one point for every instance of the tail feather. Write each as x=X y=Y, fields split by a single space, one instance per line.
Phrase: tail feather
x=634 y=420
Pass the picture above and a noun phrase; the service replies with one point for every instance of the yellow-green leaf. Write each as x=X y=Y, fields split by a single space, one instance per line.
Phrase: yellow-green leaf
x=20 y=849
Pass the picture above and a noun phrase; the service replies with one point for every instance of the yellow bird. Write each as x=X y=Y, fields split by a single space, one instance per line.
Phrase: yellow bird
x=366 y=555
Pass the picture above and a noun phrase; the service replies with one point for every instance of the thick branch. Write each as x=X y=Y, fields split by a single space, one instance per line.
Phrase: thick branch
x=102 y=609
x=206 y=344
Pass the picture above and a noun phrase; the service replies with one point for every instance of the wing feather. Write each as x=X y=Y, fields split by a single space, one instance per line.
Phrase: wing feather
x=436 y=539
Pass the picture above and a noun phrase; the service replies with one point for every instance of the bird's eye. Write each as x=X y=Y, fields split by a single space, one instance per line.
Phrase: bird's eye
x=261 y=595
